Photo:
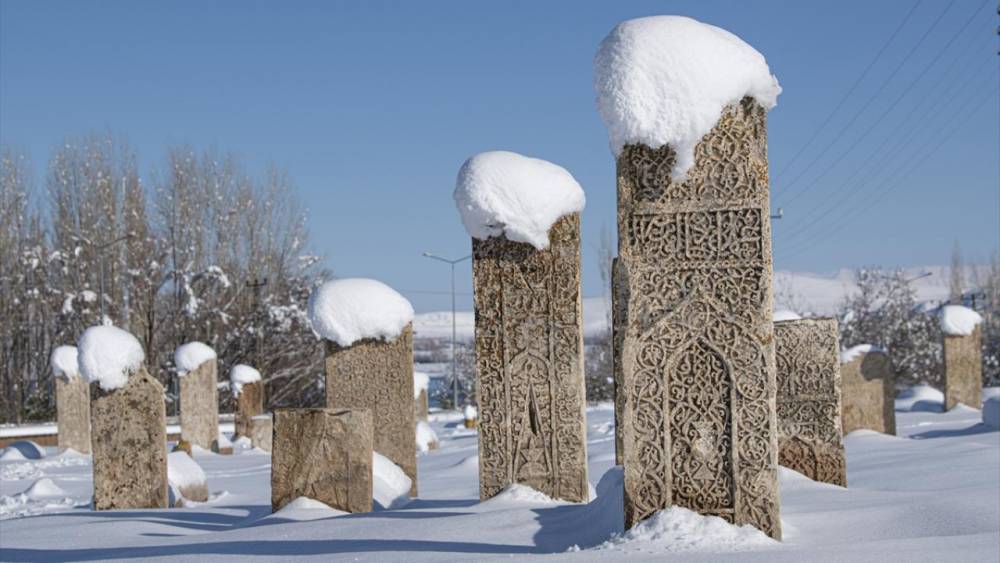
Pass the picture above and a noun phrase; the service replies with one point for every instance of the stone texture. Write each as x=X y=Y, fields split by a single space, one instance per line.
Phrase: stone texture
x=261 y=430
x=73 y=413
x=200 y=405
x=529 y=364
x=867 y=394
x=323 y=454
x=130 y=445
x=378 y=375
x=697 y=351
x=249 y=404
x=810 y=439
x=963 y=370
x=617 y=334
x=421 y=407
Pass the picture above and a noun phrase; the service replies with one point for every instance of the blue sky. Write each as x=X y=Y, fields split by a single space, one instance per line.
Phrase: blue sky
x=373 y=106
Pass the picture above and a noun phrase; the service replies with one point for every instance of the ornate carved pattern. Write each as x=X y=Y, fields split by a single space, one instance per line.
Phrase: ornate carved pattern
x=808 y=375
x=200 y=405
x=378 y=375
x=695 y=357
x=529 y=360
x=73 y=413
x=963 y=370
x=867 y=394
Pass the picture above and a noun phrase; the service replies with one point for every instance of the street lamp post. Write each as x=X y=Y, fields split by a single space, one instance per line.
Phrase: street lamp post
x=454 y=368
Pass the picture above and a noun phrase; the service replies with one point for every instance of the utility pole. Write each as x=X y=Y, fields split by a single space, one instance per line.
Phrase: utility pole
x=454 y=366
x=257 y=285
x=100 y=256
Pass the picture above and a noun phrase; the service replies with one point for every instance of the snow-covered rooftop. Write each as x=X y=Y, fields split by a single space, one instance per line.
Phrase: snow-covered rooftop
x=957 y=320
x=241 y=375
x=665 y=80
x=64 y=362
x=191 y=355
x=108 y=355
x=505 y=193
x=352 y=309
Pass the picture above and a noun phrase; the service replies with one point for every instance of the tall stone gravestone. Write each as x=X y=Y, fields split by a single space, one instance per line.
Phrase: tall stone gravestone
x=200 y=405
x=72 y=401
x=963 y=357
x=697 y=351
x=529 y=364
x=247 y=387
x=808 y=376
x=867 y=390
x=325 y=455
x=421 y=406
x=130 y=445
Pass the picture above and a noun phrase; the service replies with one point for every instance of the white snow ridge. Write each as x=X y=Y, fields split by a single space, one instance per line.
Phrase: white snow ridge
x=665 y=80
x=191 y=355
x=352 y=309
x=108 y=355
x=957 y=320
x=64 y=362
x=505 y=193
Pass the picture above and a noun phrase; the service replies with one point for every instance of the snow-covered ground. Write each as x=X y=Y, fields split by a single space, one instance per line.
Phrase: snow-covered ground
x=930 y=494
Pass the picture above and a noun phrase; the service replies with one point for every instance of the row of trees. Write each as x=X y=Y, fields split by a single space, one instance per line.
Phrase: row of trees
x=198 y=249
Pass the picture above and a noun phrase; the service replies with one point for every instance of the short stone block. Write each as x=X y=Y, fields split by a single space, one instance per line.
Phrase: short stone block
x=867 y=393
x=249 y=403
x=261 y=430
x=200 y=405
x=73 y=413
x=963 y=370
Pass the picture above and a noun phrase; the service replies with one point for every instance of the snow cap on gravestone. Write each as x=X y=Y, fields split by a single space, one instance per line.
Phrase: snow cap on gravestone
x=505 y=193
x=352 y=309
x=108 y=356
x=190 y=356
x=957 y=320
x=241 y=375
x=65 y=362
x=665 y=80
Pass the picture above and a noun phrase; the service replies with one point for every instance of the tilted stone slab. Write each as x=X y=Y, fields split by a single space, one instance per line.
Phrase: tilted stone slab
x=963 y=370
x=867 y=393
x=249 y=403
x=261 y=431
x=697 y=355
x=130 y=445
x=73 y=413
x=378 y=375
x=325 y=455
x=810 y=438
x=529 y=364
x=200 y=405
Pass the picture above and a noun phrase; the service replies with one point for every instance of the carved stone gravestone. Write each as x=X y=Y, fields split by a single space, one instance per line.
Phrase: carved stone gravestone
x=867 y=393
x=808 y=374
x=325 y=455
x=529 y=364
x=697 y=353
x=617 y=334
x=377 y=375
x=249 y=403
x=963 y=370
x=73 y=413
x=130 y=445
x=261 y=431
x=200 y=405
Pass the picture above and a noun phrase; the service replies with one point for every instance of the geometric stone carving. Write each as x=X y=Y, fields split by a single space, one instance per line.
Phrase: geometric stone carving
x=261 y=431
x=249 y=403
x=323 y=454
x=200 y=405
x=73 y=413
x=810 y=439
x=130 y=445
x=963 y=370
x=529 y=364
x=697 y=349
x=377 y=375
x=867 y=393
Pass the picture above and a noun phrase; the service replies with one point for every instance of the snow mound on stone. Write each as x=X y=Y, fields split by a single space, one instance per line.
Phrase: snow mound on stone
x=957 y=320
x=45 y=488
x=108 y=355
x=920 y=398
x=23 y=450
x=679 y=530
x=991 y=412
x=390 y=485
x=241 y=375
x=786 y=315
x=64 y=362
x=304 y=509
x=852 y=353
x=191 y=355
x=420 y=383
x=518 y=494
x=426 y=437
x=186 y=477
x=505 y=193
x=352 y=309
x=665 y=80
x=470 y=412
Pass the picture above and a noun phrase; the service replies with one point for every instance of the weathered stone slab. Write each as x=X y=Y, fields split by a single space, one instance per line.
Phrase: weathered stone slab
x=867 y=393
x=421 y=408
x=697 y=353
x=323 y=454
x=200 y=405
x=249 y=403
x=73 y=413
x=130 y=445
x=261 y=430
x=378 y=375
x=963 y=370
x=810 y=439
x=529 y=364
